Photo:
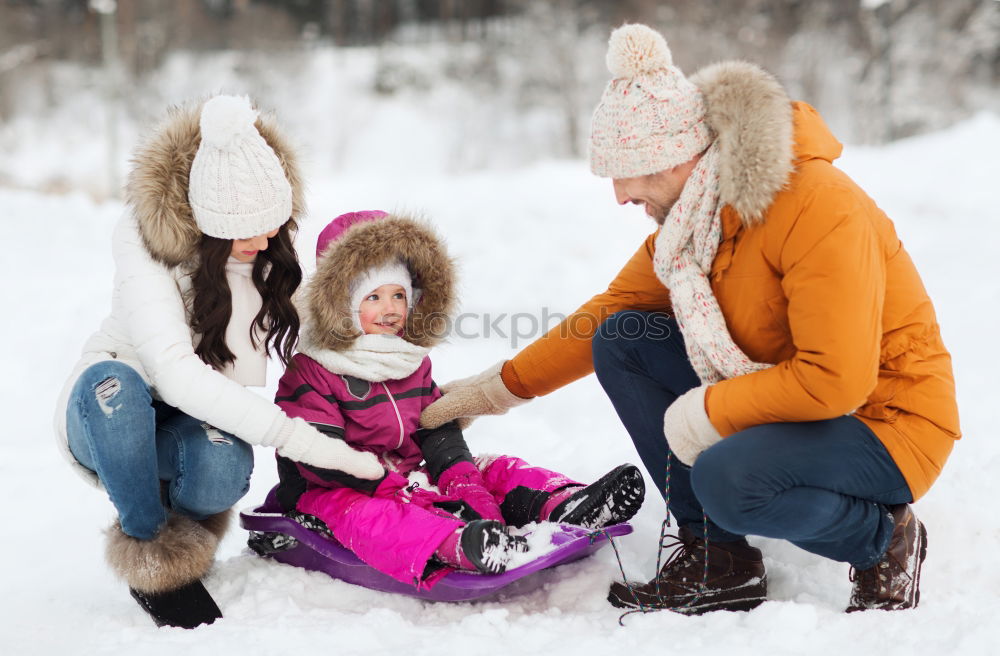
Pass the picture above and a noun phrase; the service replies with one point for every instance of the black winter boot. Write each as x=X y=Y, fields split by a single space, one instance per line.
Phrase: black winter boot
x=489 y=546
x=185 y=607
x=164 y=574
x=614 y=498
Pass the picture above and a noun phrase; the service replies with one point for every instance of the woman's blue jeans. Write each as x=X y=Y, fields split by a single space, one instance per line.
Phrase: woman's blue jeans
x=824 y=486
x=133 y=442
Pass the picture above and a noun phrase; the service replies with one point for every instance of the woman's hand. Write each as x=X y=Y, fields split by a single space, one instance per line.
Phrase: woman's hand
x=308 y=445
x=465 y=399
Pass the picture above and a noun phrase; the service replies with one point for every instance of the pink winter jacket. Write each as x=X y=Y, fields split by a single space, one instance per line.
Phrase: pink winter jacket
x=383 y=418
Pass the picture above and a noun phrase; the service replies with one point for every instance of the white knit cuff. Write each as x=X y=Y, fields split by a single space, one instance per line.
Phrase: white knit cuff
x=497 y=395
x=279 y=432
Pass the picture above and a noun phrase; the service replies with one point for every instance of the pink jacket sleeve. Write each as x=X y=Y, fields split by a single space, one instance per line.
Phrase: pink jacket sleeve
x=428 y=381
x=304 y=392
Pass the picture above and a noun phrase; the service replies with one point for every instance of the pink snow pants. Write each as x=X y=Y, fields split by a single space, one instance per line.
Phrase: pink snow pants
x=397 y=535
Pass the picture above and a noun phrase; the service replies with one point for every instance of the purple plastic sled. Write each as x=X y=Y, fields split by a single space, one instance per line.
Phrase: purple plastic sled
x=316 y=552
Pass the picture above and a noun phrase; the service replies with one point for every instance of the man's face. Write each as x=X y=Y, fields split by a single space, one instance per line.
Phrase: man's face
x=657 y=192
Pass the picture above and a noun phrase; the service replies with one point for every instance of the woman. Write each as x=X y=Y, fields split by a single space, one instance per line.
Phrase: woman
x=157 y=409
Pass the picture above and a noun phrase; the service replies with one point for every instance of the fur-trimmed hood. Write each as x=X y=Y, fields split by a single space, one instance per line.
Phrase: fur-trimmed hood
x=375 y=240
x=751 y=116
x=157 y=188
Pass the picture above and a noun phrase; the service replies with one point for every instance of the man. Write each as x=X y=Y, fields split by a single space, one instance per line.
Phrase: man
x=770 y=349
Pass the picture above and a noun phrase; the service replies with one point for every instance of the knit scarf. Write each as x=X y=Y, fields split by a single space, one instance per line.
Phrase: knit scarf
x=374 y=358
x=685 y=249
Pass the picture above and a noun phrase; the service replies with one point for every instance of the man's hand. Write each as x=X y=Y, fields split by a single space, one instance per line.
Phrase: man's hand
x=687 y=428
x=465 y=399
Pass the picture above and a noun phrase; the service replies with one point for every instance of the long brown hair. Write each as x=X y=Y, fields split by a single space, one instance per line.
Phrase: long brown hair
x=276 y=275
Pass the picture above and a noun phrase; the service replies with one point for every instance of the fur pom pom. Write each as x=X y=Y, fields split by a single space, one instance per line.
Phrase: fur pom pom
x=223 y=118
x=636 y=49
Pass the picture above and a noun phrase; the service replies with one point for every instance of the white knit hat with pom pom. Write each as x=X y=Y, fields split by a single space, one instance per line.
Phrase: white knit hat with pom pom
x=650 y=118
x=237 y=187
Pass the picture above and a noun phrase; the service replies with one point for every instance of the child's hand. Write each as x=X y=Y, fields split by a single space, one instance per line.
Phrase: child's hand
x=463 y=481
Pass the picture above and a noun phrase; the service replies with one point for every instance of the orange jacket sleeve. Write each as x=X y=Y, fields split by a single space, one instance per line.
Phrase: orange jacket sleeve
x=833 y=277
x=564 y=353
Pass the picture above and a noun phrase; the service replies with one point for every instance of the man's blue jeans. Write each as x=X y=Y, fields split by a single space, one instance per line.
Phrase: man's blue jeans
x=134 y=442
x=822 y=485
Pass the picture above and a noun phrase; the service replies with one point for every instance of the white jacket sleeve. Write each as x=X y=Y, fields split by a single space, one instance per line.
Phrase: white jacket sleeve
x=154 y=316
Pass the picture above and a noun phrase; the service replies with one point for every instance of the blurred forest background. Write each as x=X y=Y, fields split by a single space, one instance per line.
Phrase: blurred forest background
x=453 y=85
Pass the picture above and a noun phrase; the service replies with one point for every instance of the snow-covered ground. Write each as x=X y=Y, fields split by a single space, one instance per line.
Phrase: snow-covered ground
x=543 y=237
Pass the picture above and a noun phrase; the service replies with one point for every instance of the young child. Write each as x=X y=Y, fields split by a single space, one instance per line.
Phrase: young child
x=380 y=298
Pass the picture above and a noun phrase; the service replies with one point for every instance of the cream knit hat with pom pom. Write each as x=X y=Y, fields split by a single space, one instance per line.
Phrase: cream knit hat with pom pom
x=650 y=118
x=237 y=187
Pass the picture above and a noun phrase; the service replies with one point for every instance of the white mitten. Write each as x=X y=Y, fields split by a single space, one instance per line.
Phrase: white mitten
x=687 y=428
x=308 y=445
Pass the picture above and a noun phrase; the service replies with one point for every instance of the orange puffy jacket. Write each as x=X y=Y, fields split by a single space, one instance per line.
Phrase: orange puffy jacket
x=823 y=289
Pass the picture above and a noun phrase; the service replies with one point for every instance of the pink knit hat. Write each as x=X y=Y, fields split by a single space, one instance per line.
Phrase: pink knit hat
x=339 y=225
x=650 y=118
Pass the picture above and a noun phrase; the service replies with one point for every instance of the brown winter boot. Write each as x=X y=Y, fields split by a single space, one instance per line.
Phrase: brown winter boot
x=736 y=579
x=894 y=582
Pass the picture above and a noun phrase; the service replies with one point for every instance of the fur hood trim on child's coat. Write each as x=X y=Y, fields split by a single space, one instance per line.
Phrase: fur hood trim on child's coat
x=157 y=188
x=371 y=243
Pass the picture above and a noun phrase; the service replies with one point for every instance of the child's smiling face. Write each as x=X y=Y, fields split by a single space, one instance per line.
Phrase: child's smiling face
x=383 y=311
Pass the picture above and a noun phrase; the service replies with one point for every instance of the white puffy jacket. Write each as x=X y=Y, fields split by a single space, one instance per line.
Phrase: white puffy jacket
x=154 y=247
x=148 y=330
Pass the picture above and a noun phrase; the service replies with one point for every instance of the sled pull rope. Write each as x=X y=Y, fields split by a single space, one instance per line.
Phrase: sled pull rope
x=621 y=568
x=642 y=608
x=704 y=541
